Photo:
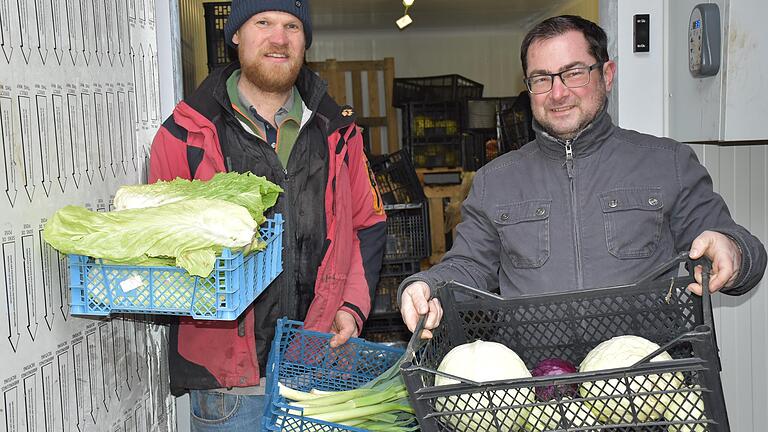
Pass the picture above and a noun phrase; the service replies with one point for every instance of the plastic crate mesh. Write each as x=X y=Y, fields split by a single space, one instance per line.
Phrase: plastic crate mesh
x=399 y=269
x=397 y=180
x=434 y=88
x=99 y=289
x=683 y=394
x=218 y=51
x=303 y=360
x=407 y=232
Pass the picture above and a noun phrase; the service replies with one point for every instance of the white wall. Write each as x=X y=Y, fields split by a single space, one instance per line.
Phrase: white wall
x=746 y=91
x=79 y=102
x=694 y=104
x=665 y=99
x=648 y=65
x=491 y=58
x=739 y=175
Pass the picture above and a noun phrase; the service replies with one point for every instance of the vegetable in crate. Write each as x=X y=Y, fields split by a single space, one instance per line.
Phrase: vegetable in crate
x=190 y=232
x=379 y=405
x=686 y=406
x=481 y=362
x=255 y=193
x=553 y=367
x=622 y=352
x=548 y=417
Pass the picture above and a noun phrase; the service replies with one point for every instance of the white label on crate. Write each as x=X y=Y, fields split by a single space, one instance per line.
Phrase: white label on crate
x=132 y=283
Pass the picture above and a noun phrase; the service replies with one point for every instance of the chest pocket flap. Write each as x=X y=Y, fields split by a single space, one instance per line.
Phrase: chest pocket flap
x=631 y=199
x=525 y=211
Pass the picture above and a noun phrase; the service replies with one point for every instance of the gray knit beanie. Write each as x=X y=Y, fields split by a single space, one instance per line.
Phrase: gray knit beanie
x=243 y=10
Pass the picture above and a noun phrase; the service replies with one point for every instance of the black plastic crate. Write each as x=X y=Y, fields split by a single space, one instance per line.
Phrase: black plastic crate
x=446 y=154
x=435 y=89
x=568 y=325
x=433 y=134
x=219 y=52
x=385 y=298
x=386 y=328
x=470 y=151
x=401 y=268
x=430 y=122
x=480 y=147
x=516 y=123
x=396 y=179
x=407 y=232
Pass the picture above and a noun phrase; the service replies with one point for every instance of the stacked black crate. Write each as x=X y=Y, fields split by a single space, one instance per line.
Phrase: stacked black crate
x=407 y=243
x=218 y=51
x=483 y=135
x=433 y=110
x=515 y=122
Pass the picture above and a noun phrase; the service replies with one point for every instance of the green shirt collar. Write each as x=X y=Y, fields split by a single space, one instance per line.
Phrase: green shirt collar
x=291 y=110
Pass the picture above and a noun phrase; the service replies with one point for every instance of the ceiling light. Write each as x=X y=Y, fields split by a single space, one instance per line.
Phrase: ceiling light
x=405 y=20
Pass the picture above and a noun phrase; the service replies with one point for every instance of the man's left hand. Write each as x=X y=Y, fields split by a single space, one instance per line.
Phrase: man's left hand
x=725 y=256
x=344 y=327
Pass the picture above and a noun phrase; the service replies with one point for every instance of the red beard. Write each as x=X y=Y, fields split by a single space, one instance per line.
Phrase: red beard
x=273 y=78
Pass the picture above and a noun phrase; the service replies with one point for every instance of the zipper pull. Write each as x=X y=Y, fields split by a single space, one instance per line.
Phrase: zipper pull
x=569 y=158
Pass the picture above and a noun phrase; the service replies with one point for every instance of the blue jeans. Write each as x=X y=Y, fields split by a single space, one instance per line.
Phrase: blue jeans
x=212 y=411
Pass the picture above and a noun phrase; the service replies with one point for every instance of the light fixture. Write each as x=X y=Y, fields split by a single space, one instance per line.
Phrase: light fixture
x=405 y=20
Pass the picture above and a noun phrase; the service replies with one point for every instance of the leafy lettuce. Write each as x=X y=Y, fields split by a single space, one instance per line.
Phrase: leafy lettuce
x=255 y=193
x=187 y=232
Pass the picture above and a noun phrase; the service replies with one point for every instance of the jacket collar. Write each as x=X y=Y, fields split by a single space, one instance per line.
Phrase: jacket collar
x=211 y=98
x=586 y=142
x=310 y=86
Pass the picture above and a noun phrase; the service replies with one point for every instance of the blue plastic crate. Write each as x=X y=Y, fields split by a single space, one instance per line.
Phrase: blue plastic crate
x=303 y=360
x=100 y=289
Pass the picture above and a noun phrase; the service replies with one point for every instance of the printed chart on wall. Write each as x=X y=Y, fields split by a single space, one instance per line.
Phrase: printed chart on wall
x=79 y=105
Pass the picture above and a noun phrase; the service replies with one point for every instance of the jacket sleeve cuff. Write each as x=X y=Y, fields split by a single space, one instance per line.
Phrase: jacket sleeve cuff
x=357 y=313
x=746 y=262
x=418 y=277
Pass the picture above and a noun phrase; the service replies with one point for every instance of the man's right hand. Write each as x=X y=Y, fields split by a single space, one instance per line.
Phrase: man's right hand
x=415 y=302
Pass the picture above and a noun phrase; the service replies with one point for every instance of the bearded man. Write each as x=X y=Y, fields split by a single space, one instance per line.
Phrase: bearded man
x=269 y=115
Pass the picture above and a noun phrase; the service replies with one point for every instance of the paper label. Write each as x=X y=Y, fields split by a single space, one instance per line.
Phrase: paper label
x=132 y=283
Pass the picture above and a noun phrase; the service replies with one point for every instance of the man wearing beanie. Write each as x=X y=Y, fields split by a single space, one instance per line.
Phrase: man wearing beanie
x=270 y=115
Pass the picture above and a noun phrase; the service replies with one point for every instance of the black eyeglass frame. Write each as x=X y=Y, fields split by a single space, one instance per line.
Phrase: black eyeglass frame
x=552 y=76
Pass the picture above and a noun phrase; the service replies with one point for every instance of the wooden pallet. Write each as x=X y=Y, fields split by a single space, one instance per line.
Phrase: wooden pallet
x=444 y=211
x=370 y=84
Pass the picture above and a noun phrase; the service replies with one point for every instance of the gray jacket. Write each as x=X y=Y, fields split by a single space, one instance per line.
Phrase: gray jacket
x=600 y=210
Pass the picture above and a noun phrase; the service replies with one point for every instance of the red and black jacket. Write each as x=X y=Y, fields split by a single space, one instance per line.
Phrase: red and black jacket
x=334 y=225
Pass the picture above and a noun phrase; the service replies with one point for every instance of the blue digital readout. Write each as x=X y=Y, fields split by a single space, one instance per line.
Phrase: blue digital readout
x=697 y=24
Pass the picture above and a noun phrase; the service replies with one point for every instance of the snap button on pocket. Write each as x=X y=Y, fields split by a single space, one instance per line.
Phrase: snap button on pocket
x=653 y=201
x=540 y=211
x=613 y=203
x=504 y=216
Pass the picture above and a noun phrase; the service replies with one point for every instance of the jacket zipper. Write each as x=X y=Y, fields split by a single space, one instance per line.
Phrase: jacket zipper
x=574 y=212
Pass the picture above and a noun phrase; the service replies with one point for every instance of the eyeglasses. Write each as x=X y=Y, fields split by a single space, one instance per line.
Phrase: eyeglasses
x=571 y=78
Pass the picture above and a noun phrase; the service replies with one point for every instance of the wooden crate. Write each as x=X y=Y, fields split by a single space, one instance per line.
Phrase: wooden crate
x=445 y=211
x=370 y=85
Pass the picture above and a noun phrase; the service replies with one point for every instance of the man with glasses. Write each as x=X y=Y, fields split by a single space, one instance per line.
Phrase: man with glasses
x=586 y=204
